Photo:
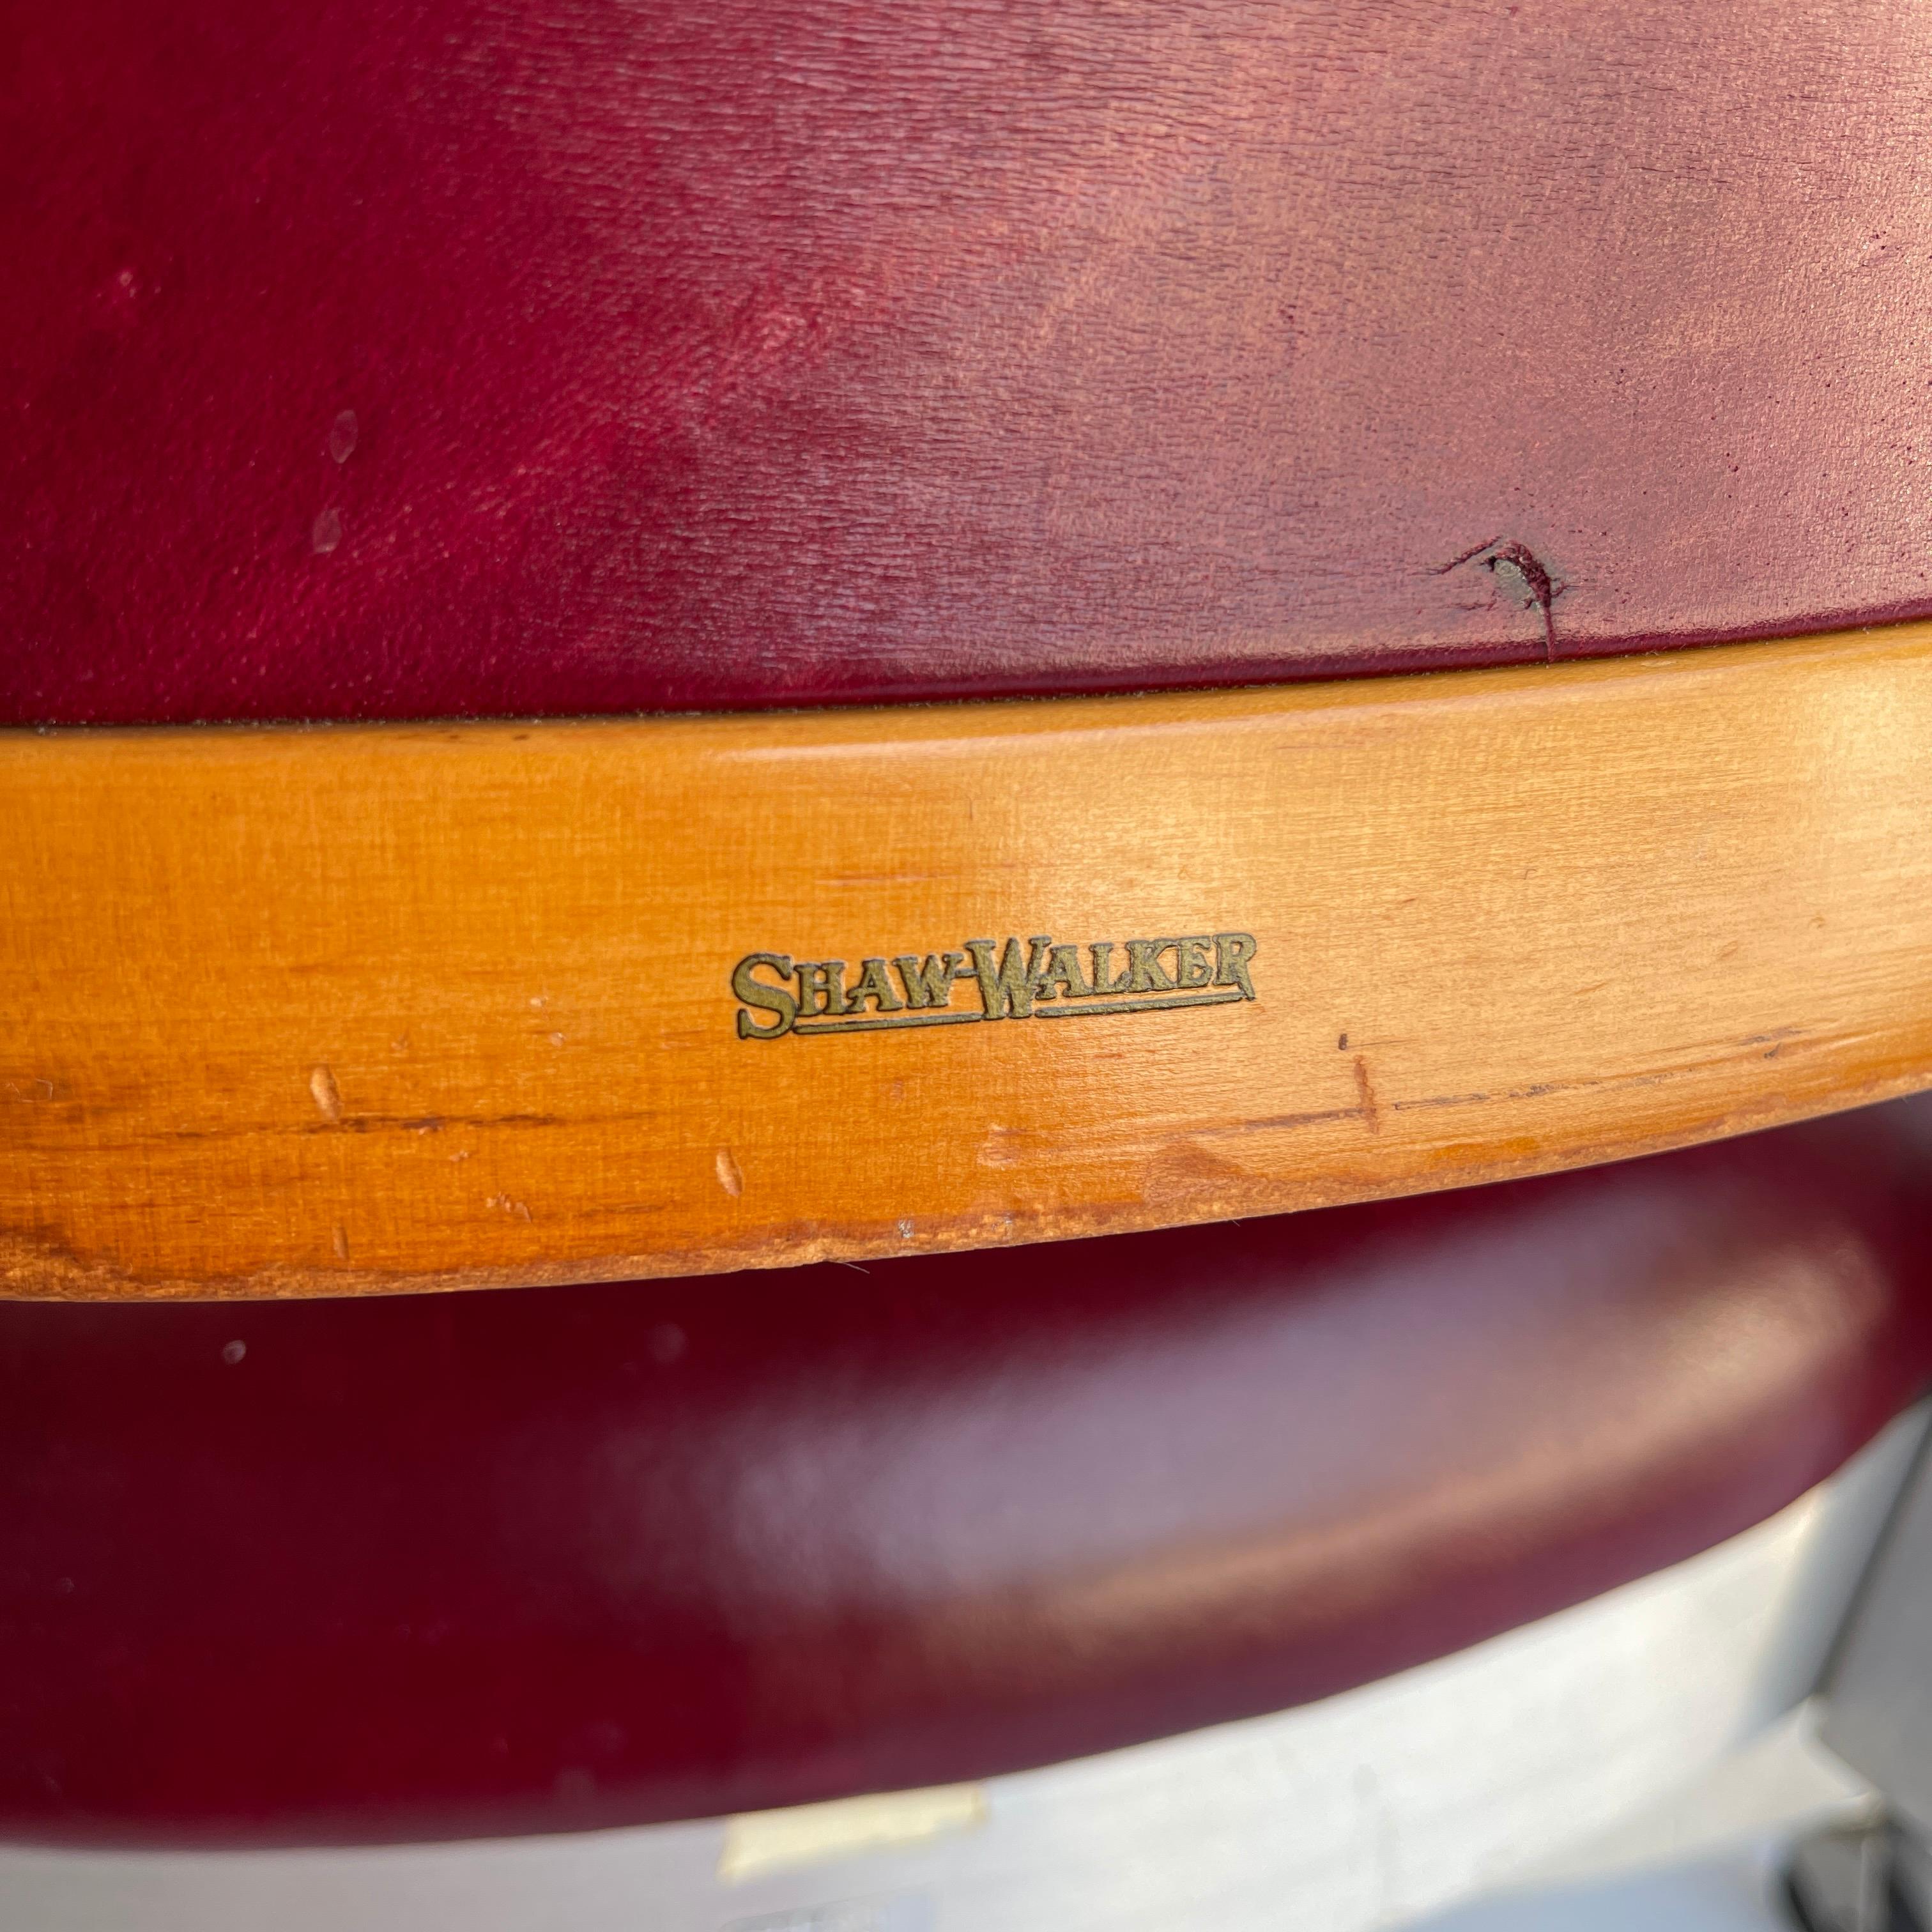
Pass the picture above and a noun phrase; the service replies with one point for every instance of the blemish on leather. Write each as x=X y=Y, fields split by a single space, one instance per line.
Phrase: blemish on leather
x=326 y=532
x=328 y=1096
x=1462 y=557
x=342 y=436
x=1520 y=571
x=1523 y=576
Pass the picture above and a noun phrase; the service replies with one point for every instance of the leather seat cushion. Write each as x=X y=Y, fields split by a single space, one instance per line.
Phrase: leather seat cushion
x=366 y=361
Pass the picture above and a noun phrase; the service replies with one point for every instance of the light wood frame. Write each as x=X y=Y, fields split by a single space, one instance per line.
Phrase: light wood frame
x=299 y=1011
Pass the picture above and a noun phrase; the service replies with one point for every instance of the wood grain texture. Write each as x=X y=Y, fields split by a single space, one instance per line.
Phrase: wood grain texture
x=299 y=1011
x=387 y=358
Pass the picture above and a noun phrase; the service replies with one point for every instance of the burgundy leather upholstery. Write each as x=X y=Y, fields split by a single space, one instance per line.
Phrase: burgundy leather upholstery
x=497 y=1562
x=363 y=359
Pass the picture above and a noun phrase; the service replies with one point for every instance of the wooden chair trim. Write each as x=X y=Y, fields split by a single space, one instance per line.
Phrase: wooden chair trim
x=327 y=1010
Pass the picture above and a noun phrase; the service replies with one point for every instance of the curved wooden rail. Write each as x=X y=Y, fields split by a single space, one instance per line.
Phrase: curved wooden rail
x=294 y=1011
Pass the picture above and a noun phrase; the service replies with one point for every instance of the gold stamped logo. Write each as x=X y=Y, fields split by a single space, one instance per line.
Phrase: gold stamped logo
x=1036 y=978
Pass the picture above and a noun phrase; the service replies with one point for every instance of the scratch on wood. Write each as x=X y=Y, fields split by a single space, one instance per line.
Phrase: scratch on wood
x=730 y=1178
x=1273 y=1122
x=328 y=1095
x=1371 y=1108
